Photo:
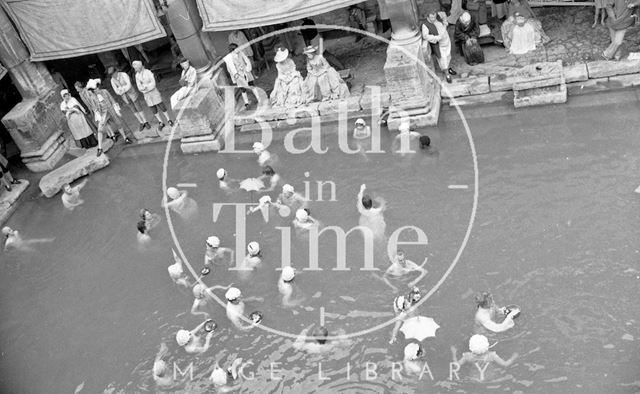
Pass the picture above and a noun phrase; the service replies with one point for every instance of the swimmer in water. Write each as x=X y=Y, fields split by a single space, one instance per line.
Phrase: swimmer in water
x=264 y=205
x=371 y=217
x=264 y=157
x=285 y=287
x=143 y=235
x=180 y=203
x=401 y=266
x=71 y=195
x=361 y=134
x=479 y=353
x=403 y=306
x=192 y=341
x=292 y=199
x=162 y=374
x=403 y=141
x=215 y=253
x=201 y=294
x=318 y=343
x=220 y=377
x=227 y=184
x=486 y=313
x=176 y=272
x=253 y=257
x=304 y=221
x=269 y=176
x=150 y=219
x=235 y=308
x=413 y=352
x=15 y=241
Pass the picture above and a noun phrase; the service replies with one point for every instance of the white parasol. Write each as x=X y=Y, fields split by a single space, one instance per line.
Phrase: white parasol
x=419 y=327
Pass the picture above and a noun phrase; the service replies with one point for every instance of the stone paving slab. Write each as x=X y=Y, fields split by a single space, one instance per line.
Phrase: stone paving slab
x=51 y=183
x=604 y=68
x=466 y=86
x=576 y=72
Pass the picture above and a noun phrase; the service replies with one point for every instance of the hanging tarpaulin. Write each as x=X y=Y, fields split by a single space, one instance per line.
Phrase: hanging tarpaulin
x=55 y=29
x=3 y=71
x=242 y=14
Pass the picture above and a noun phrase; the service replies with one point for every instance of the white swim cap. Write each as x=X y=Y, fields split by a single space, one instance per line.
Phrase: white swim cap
x=258 y=146
x=213 y=241
x=159 y=367
x=173 y=193
x=404 y=127
x=288 y=273
x=219 y=376
x=264 y=199
x=411 y=351
x=6 y=230
x=361 y=121
x=198 y=290
x=232 y=294
x=253 y=248
x=287 y=188
x=301 y=215
x=221 y=173
x=465 y=17
x=183 y=337
x=478 y=344
x=175 y=271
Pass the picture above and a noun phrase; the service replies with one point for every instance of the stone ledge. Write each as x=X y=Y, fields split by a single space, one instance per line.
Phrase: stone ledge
x=486 y=98
x=626 y=80
x=576 y=73
x=51 y=183
x=505 y=80
x=198 y=144
x=604 y=68
x=466 y=87
x=8 y=200
x=540 y=95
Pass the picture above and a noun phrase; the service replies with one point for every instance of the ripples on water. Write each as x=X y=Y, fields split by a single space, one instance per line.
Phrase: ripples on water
x=553 y=234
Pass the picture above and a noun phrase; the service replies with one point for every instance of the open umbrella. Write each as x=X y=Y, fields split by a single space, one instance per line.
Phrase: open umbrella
x=419 y=327
x=251 y=185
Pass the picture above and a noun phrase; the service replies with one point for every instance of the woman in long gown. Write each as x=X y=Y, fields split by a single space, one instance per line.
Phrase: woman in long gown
x=288 y=87
x=75 y=114
x=524 y=11
x=323 y=82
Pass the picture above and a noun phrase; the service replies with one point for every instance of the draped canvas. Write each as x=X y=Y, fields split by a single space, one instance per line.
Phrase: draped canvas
x=55 y=29
x=242 y=14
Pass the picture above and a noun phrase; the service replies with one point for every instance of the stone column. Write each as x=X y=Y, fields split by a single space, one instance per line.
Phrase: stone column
x=414 y=93
x=186 y=24
x=36 y=124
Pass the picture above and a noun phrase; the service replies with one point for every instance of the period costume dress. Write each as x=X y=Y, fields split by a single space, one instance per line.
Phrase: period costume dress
x=75 y=114
x=288 y=87
x=511 y=27
x=323 y=81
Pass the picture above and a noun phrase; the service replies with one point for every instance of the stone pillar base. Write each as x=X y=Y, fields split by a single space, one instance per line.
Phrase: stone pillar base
x=414 y=92
x=201 y=143
x=47 y=157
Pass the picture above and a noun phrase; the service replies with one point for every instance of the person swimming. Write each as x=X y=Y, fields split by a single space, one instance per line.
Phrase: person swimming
x=479 y=353
x=176 y=272
x=303 y=221
x=151 y=219
x=264 y=205
x=292 y=199
x=404 y=308
x=143 y=235
x=486 y=313
x=319 y=343
x=253 y=257
x=269 y=175
x=180 y=203
x=401 y=266
x=361 y=133
x=14 y=240
x=215 y=254
x=192 y=341
x=402 y=142
x=71 y=195
x=225 y=183
x=413 y=352
x=220 y=377
x=370 y=216
x=264 y=157
x=235 y=308
x=285 y=287
x=201 y=295
x=162 y=374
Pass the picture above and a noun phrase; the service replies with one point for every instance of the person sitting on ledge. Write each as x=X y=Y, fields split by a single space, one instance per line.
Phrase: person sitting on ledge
x=187 y=81
x=323 y=82
x=466 y=36
x=521 y=31
x=288 y=87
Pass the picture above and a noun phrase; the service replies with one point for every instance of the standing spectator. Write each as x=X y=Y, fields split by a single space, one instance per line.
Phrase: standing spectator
x=620 y=18
x=435 y=32
x=107 y=113
x=121 y=84
x=239 y=38
x=146 y=83
x=75 y=114
x=58 y=78
x=239 y=68
x=86 y=100
x=5 y=175
x=466 y=38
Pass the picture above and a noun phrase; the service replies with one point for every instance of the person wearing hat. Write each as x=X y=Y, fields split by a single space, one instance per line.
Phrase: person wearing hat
x=466 y=36
x=361 y=133
x=323 y=82
x=406 y=139
x=318 y=343
x=264 y=205
x=285 y=287
x=264 y=157
x=220 y=377
x=176 y=272
x=370 y=216
x=227 y=184
x=288 y=88
x=479 y=353
x=201 y=293
x=403 y=308
x=434 y=31
x=187 y=81
x=121 y=84
x=487 y=313
x=304 y=222
x=412 y=354
x=239 y=68
x=162 y=374
x=146 y=83
x=107 y=113
x=253 y=257
x=269 y=176
x=292 y=199
x=180 y=203
x=75 y=114
x=192 y=341
x=15 y=241
x=235 y=308
x=214 y=253
x=71 y=195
